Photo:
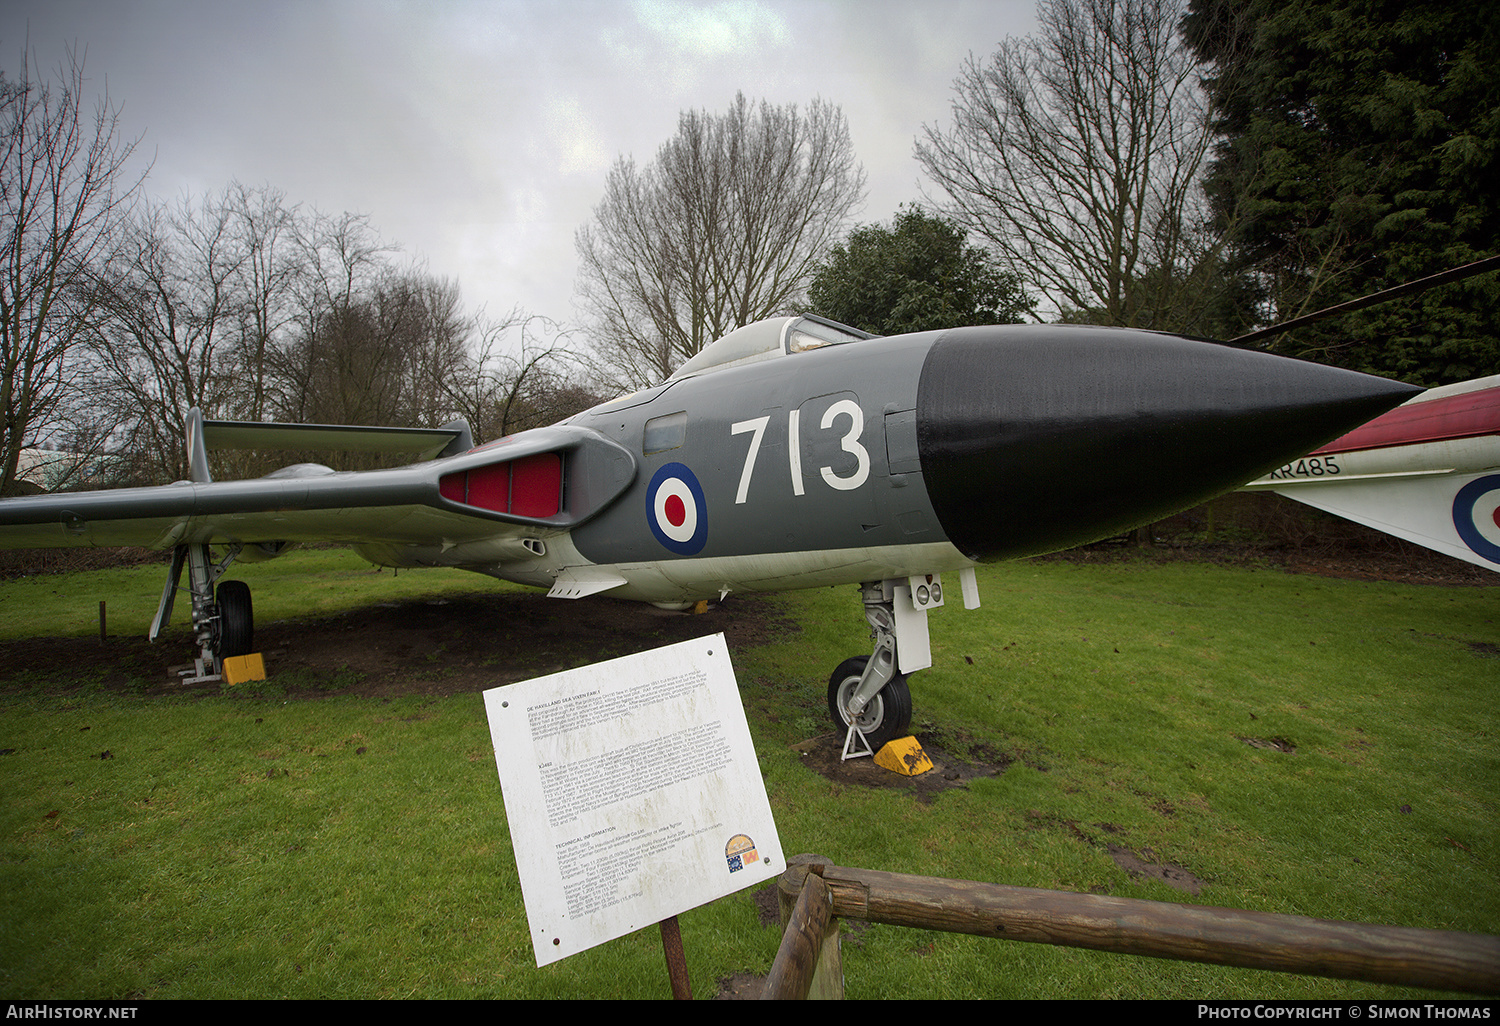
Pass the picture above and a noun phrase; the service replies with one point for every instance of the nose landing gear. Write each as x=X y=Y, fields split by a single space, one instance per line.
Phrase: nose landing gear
x=868 y=695
x=884 y=718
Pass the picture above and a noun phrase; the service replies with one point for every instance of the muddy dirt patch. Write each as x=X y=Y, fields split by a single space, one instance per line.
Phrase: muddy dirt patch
x=460 y=644
x=824 y=755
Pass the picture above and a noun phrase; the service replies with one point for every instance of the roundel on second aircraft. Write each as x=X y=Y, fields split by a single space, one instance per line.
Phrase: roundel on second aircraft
x=1476 y=515
x=676 y=511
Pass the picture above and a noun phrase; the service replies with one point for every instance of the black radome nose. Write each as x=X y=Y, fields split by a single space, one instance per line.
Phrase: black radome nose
x=1035 y=438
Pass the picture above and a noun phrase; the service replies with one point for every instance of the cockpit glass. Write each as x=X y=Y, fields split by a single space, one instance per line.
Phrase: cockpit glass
x=808 y=333
x=758 y=341
x=766 y=340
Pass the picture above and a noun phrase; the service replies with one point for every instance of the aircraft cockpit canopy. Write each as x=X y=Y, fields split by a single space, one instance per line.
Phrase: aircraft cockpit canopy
x=767 y=340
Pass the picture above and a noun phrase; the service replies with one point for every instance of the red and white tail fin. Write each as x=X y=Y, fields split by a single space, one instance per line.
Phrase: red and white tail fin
x=1428 y=472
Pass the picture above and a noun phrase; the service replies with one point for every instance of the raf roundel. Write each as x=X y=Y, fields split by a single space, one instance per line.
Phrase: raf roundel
x=1476 y=515
x=676 y=511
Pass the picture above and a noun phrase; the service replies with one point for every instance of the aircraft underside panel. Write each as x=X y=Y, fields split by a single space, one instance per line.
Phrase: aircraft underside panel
x=1445 y=456
x=686 y=581
x=1457 y=515
x=1440 y=492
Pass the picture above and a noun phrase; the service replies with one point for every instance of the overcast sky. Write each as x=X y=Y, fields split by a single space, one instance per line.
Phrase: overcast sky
x=477 y=135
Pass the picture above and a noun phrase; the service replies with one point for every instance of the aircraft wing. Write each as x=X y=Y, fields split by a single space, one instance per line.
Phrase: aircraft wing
x=1427 y=471
x=525 y=485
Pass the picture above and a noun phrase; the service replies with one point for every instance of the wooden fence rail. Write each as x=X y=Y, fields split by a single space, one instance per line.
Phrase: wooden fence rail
x=1437 y=959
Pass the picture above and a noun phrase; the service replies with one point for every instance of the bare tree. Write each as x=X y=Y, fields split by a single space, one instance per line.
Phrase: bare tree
x=509 y=387
x=362 y=354
x=439 y=353
x=170 y=301
x=1078 y=154
x=724 y=227
x=193 y=307
x=394 y=353
x=272 y=266
x=60 y=201
x=341 y=259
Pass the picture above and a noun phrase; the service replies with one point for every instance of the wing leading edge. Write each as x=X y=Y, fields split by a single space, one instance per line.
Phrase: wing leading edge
x=417 y=504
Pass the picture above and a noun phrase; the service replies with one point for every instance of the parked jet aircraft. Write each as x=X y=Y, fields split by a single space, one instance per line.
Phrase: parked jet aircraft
x=1427 y=471
x=791 y=453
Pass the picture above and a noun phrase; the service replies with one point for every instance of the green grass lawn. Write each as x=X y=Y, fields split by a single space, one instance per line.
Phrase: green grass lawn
x=1302 y=745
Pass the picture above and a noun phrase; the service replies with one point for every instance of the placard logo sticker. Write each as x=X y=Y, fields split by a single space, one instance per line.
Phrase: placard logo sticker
x=676 y=510
x=740 y=852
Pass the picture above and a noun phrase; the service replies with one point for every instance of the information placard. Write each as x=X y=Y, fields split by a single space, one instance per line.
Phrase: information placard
x=632 y=791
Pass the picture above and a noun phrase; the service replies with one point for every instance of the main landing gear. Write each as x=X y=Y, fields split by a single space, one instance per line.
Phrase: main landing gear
x=234 y=628
x=223 y=619
x=868 y=695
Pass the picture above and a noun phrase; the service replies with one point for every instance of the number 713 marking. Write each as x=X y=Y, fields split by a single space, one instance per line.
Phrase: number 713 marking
x=848 y=443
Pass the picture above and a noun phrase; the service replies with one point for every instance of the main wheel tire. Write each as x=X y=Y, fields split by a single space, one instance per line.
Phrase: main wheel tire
x=887 y=717
x=236 y=631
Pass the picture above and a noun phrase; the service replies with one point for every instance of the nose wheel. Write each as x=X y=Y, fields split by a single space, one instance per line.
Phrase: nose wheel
x=884 y=718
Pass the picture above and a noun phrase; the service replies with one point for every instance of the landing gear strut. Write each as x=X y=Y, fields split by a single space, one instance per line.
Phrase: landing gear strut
x=223 y=619
x=866 y=693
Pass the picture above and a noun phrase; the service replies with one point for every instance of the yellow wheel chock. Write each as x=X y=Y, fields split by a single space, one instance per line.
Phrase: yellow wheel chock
x=905 y=756
x=240 y=669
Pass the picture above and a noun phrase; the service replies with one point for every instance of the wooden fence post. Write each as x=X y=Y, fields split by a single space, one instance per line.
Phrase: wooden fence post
x=807 y=964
